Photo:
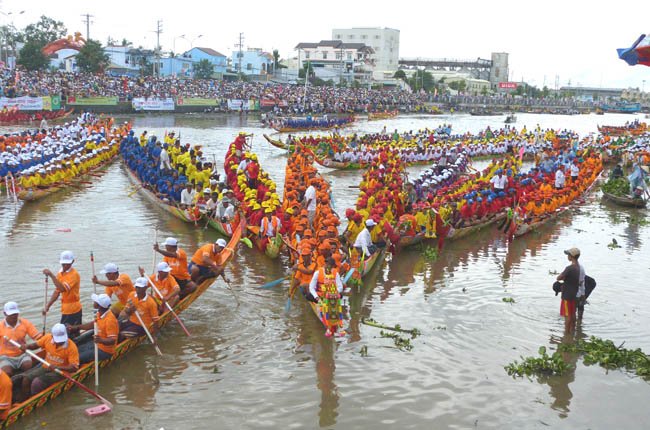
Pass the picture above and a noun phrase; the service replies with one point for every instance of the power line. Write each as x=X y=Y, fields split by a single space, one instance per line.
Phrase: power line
x=87 y=17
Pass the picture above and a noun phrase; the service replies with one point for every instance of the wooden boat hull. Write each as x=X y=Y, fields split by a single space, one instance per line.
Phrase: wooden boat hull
x=313 y=128
x=382 y=115
x=225 y=228
x=278 y=143
x=625 y=201
x=466 y=231
x=405 y=241
x=33 y=194
x=182 y=214
x=88 y=369
x=369 y=263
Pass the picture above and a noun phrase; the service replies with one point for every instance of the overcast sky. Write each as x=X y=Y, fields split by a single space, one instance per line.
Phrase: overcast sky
x=576 y=41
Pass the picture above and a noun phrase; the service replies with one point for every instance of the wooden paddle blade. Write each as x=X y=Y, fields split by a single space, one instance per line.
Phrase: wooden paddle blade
x=287 y=307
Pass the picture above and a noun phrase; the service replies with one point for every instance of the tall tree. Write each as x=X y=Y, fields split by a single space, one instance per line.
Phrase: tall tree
x=92 y=58
x=276 y=59
x=46 y=30
x=203 y=69
x=32 y=58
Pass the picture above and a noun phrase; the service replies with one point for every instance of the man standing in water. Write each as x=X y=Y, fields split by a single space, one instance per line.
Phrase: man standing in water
x=571 y=278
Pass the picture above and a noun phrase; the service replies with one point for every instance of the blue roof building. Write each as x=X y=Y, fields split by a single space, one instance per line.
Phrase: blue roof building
x=253 y=62
x=218 y=60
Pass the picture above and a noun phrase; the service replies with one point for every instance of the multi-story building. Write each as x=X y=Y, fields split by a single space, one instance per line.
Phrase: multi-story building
x=383 y=41
x=253 y=61
x=331 y=58
x=499 y=70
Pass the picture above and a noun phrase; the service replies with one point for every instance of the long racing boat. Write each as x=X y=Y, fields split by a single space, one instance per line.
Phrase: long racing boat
x=25 y=408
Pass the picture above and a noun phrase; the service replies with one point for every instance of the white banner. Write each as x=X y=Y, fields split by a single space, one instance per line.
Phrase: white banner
x=22 y=103
x=236 y=104
x=153 y=104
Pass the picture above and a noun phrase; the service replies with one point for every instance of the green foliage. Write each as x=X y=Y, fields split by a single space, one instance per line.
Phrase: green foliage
x=146 y=66
x=508 y=300
x=430 y=253
x=46 y=30
x=414 y=332
x=606 y=354
x=421 y=79
x=364 y=351
x=31 y=56
x=400 y=75
x=203 y=69
x=402 y=343
x=92 y=58
x=545 y=365
x=618 y=187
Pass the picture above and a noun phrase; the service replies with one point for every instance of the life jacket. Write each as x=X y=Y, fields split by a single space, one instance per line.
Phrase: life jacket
x=327 y=283
x=274 y=223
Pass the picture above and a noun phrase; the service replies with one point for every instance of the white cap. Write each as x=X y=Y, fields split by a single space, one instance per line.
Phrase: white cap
x=370 y=222
x=59 y=333
x=67 y=257
x=163 y=267
x=221 y=242
x=110 y=268
x=171 y=241
x=102 y=300
x=141 y=282
x=11 y=308
x=207 y=191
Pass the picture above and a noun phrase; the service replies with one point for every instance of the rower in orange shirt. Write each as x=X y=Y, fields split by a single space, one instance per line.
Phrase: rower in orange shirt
x=12 y=360
x=60 y=352
x=116 y=283
x=166 y=284
x=177 y=260
x=66 y=283
x=5 y=395
x=108 y=329
x=207 y=262
x=142 y=304
x=304 y=269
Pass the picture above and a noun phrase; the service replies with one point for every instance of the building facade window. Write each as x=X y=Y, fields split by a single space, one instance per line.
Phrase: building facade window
x=339 y=55
x=338 y=37
x=364 y=36
x=307 y=53
x=324 y=55
x=349 y=56
x=249 y=66
x=350 y=36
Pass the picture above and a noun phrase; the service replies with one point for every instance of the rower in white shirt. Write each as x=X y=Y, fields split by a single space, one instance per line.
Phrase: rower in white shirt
x=363 y=242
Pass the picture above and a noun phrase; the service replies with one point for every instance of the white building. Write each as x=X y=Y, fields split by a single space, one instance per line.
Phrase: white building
x=348 y=60
x=383 y=41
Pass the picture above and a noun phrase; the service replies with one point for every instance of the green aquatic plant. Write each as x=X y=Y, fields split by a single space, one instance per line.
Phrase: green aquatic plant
x=414 y=332
x=606 y=354
x=508 y=300
x=617 y=187
x=544 y=365
x=402 y=343
x=430 y=253
x=364 y=351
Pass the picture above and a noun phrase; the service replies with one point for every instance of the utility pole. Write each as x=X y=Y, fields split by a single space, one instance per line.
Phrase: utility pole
x=240 y=54
x=87 y=17
x=157 y=55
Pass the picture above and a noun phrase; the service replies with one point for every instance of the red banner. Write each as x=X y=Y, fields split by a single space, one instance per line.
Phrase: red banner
x=508 y=85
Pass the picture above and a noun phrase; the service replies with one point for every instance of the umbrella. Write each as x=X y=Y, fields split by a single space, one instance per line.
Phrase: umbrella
x=638 y=53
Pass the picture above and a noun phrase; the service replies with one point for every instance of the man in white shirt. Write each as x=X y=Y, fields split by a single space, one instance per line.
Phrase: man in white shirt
x=363 y=242
x=309 y=202
x=187 y=196
x=164 y=159
x=559 y=178
x=575 y=171
x=225 y=211
x=499 y=181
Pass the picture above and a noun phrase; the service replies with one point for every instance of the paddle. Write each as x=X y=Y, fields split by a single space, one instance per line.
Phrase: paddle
x=45 y=304
x=168 y=306
x=274 y=283
x=95 y=410
x=135 y=190
x=348 y=275
x=155 y=240
x=146 y=330
x=92 y=265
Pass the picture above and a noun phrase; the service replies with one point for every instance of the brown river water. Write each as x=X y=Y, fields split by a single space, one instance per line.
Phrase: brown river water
x=249 y=365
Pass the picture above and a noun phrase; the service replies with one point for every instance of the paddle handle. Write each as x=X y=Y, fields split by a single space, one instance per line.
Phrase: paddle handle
x=146 y=330
x=45 y=304
x=92 y=266
x=155 y=240
x=96 y=357
x=62 y=373
x=169 y=307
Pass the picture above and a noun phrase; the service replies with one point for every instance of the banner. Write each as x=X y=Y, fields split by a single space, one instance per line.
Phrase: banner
x=155 y=104
x=47 y=103
x=22 y=103
x=191 y=101
x=508 y=85
x=56 y=102
x=236 y=104
x=271 y=103
x=94 y=101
